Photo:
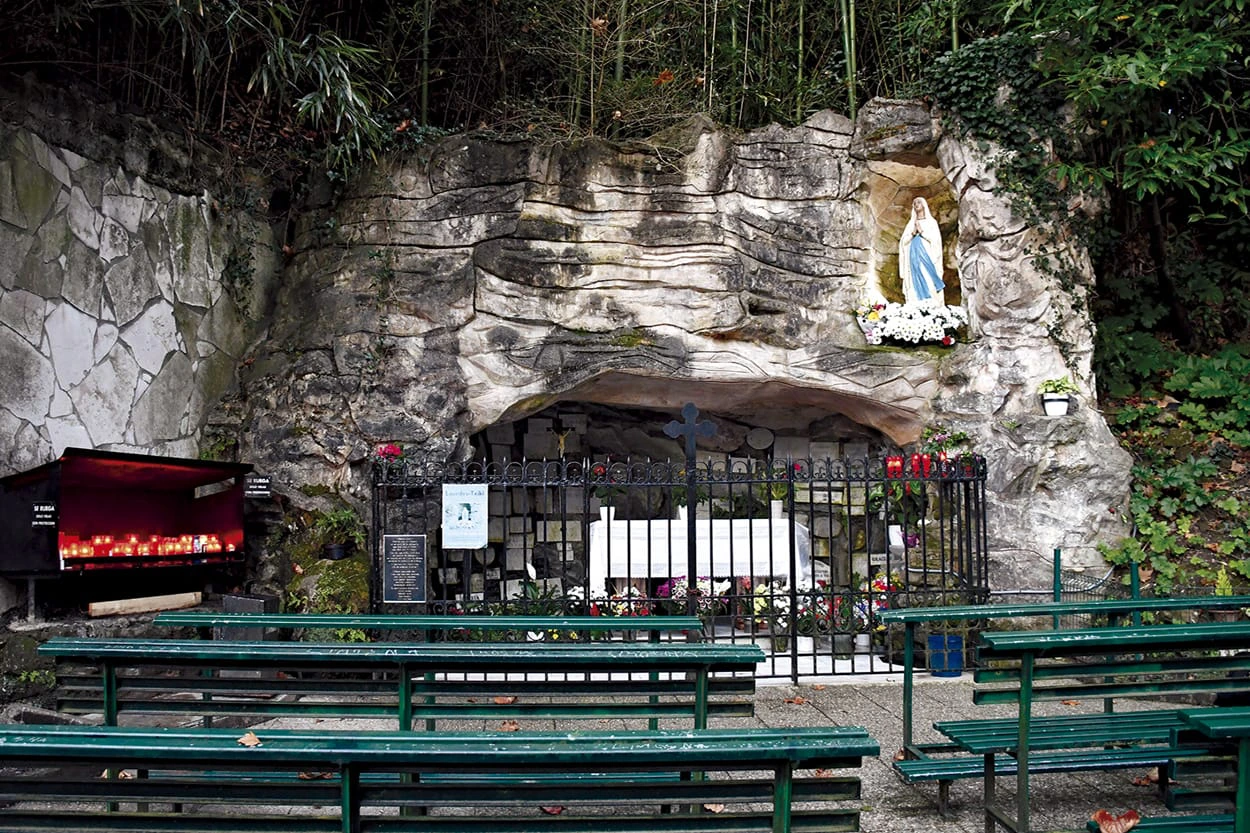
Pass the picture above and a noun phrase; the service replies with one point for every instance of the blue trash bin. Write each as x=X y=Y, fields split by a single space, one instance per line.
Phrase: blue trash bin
x=946 y=654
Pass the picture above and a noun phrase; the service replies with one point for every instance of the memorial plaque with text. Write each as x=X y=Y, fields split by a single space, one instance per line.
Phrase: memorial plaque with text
x=403 y=569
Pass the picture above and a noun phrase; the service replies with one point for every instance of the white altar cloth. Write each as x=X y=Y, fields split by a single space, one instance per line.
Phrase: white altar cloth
x=724 y=547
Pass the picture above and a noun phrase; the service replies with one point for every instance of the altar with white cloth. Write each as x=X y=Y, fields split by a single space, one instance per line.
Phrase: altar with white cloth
x=756 y=547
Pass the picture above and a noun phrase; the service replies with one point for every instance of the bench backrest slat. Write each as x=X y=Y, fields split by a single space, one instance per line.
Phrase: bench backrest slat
x=1112 y=662
x=490 y=752
x=1088 y=641
x=1211 y=666
x=443 y=656
x=1105 y=607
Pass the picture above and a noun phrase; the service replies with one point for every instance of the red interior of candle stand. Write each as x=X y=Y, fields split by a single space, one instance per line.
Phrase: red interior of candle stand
x=116 y=510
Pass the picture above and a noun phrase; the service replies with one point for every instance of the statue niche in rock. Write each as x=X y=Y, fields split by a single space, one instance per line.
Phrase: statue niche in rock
x=920 y=258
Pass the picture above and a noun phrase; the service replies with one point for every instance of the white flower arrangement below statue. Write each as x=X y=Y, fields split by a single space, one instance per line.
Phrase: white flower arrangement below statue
x=910 y=323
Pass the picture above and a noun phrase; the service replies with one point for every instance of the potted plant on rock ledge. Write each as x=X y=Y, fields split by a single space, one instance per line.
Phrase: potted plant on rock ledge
x=1056 y=395
x=342 y=533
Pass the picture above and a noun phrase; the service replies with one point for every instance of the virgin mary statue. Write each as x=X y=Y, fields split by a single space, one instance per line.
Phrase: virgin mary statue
x=920 y=257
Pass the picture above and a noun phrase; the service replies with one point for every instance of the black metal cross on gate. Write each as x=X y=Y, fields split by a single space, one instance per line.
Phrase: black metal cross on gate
x=692 y=430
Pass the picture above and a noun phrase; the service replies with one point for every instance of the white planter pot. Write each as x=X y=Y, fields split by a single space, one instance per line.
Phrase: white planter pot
x=1055 y=404
x=863 y=643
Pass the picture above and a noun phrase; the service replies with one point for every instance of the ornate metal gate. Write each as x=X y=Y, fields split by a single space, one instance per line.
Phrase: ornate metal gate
x=800 y=555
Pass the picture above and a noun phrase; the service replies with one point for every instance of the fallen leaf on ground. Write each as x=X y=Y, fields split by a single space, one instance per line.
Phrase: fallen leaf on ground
x=509 y=726
x=249 y=739
x=714 y=808
x=824 y=773
x=315 y=776
x=505 y=700
x=553 y=810
x=1108 y=822
x=1071 y=702
x=818 y=687
x=797 y=701
x=900 y=755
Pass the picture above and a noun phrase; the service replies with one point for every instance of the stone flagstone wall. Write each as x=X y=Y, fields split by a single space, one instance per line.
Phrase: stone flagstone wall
x=117 y=329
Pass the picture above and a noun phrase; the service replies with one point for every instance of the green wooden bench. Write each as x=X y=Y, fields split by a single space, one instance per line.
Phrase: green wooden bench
x=1103 y=664
x=1225 y=733
x=920 y=761
x=914 y=618
x=405 y=681
x=513 y=627
x=244 y=795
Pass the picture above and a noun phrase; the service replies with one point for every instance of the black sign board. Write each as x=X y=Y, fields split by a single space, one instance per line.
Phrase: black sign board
x=403 y=569
x=44 y=513
x=257 y=485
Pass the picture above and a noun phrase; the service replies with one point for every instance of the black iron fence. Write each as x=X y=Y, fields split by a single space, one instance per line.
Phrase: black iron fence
x=799 y=555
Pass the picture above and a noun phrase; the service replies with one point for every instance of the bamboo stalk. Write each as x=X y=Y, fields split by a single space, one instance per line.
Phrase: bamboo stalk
x=847 y=53
x=798 y=98
x=621 y=10
x=854 y=75
x=425 y=62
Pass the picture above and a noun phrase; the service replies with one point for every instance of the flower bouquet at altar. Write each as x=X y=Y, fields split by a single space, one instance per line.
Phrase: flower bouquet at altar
x=770 y=612
x=910 y=323
x=709 y=596
x=878 y=593
x=628 y=601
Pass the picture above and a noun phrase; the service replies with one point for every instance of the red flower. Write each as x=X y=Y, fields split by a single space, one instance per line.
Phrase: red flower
x=664 y=77
x=947 y=341
x=390 y=452
x=598 y=469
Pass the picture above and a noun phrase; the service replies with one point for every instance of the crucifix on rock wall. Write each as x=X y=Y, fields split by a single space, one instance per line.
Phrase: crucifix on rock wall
x=691 y=429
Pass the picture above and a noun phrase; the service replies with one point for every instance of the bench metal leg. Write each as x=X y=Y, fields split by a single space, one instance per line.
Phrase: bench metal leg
x=783 y=791
x=349 y=798
x=1241 y=819
x=988 y=792
x=944 y=799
